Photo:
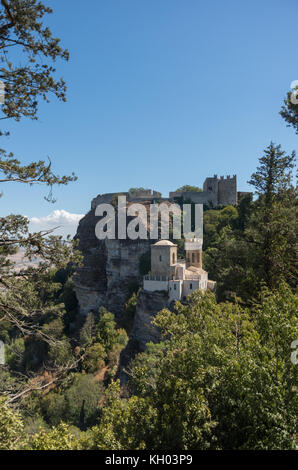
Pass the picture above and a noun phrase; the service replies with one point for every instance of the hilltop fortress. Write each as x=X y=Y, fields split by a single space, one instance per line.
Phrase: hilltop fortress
x=216 y=192
x=112 y=267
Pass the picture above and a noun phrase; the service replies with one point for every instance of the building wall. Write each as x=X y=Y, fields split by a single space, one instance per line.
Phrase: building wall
x=151 y=285
x=204 y=197
x=162 y=259
x=175 y=290
x=204 y=284
x=194 y=258
x=189 y=286
x=173 y=194
x=211 y=285
x=179 y=272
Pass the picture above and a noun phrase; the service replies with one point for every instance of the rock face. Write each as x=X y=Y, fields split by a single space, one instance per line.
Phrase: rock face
x=110 y=268
x=110 y=271
x=149 y=304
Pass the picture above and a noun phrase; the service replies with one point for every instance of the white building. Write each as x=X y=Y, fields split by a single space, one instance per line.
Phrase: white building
x=178 y=277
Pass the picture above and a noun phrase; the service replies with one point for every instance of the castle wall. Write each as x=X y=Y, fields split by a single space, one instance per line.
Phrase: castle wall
x=173 y=194
x=152 y=285
x=144 y=194
x=105 y=199
x=204 y=197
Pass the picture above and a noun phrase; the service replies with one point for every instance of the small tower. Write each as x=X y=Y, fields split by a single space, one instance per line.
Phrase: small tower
x=163 y=257
x=193 y=248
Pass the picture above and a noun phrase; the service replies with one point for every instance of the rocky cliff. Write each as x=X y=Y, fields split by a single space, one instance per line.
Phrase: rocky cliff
x=149 y=304
x=110 y=267
x=110 y=271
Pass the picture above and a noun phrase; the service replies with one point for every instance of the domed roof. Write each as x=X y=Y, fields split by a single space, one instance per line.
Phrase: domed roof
x=164 y=243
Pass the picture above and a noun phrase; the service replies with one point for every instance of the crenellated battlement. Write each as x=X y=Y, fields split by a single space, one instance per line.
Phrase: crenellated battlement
x=217 y=191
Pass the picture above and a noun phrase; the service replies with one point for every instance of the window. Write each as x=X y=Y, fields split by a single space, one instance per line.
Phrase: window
x=190 y=286
x=174 y=286
x=160 y=258
x=173 y=258
x=193 y=257
x=198 y=257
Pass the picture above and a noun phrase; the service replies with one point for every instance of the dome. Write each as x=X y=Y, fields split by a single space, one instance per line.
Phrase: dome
x=164 y=243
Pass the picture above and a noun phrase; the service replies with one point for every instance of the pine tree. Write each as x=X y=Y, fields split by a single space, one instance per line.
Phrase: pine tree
x=271 y=228
x=289 y=111
x=27 y=53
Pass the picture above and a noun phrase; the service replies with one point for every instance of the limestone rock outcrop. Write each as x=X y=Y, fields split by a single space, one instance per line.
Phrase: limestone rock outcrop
x=110 y=267
x=149 y=304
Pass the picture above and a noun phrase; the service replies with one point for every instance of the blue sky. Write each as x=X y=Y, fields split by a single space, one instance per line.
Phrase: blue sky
x=161 y=93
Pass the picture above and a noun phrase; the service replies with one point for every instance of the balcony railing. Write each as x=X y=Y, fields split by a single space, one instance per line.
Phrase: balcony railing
x=150 y=277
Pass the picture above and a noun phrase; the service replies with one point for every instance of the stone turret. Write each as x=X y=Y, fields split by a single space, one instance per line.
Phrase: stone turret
x=227 y=190
x=163 y=257
x=193 y=248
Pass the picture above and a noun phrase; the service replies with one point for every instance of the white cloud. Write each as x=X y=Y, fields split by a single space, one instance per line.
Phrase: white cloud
x=66 y=221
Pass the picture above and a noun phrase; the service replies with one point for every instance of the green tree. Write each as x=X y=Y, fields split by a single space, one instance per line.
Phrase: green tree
x=221 y=379
x=22 y=30
x=107 y=333
x=136 y=190
x=272 y=226
x=189 y=188
x=289 y=111
x=94 y=358
x=83 y=401
x=58 y=438
x=28 y=51
x=88 y=330
x=12 y=436
x=255 y=242
x=78 y=403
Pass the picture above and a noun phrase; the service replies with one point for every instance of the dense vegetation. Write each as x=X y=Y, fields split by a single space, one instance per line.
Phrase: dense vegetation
x=222 y=376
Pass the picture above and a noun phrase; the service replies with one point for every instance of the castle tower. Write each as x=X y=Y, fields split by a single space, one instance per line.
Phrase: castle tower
x=193 y=248
x=227 y=190
x=211 y=184
x=163 y=257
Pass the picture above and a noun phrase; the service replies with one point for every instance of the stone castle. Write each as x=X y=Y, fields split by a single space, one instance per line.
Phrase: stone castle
x=216 y=192
x=111 y=267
